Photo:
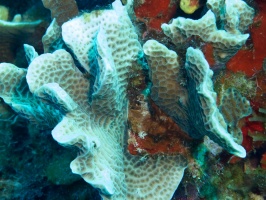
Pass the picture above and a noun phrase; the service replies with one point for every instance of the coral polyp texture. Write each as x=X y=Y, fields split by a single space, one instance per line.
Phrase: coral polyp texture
x=16 y=94
x=139 y=113
x=238 y=16
x=194 y=109
x=202 y=103
x=167 y=90
x=52 y=38
x=234 y=107
x=94 y=110
x=225 y=44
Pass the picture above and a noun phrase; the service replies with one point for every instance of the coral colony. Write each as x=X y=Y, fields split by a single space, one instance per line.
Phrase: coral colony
x=153 y=94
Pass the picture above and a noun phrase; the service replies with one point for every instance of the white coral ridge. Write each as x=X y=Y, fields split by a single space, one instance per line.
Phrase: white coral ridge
x=234 y=15
x=167 y=91
x=193 y=108
x=238 y=16
x=202 y=103
x=95 y=108
x=52 y=34
x=205 y=27
x=225 y=43
x=30 y=52
x=15 y=93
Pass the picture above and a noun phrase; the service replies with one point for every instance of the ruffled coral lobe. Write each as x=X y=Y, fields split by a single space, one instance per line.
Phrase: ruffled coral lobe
x=253 y=55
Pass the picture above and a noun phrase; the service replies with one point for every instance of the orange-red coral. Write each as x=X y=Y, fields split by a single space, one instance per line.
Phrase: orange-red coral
x=208 y=53
x=252 y=130
x=155 y=12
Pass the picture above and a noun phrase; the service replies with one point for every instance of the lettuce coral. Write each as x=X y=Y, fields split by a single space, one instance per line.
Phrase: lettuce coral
x=168 y=90
x=224 y=43
x=234 y=107
x=78 y=88
x=192 y=107
x=16 y=94
x=202 y=103
x=94 y=109
x=52 y=38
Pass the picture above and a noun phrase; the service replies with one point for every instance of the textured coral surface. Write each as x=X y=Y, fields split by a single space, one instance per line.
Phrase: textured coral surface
x=253 y=55
x=154 y=99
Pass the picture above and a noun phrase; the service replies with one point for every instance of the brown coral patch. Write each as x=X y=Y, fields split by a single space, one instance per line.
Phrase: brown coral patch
x=260 y=98
x=61 y=10
x=153 y=132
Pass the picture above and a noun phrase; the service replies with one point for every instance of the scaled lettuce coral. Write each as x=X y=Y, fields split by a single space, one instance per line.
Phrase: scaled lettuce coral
x=234 y=107
x=202 y=103
x=234 y=15
x=168 y=91
x=94 y=106
x=192 y=107
x=16 y=94
x=78 y=88
x=226 y=39
x=224 y=43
